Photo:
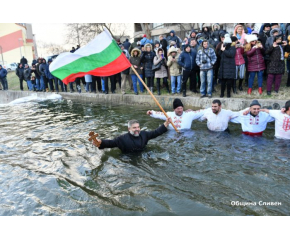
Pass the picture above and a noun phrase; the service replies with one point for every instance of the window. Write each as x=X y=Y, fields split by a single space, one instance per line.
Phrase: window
x=157 y=25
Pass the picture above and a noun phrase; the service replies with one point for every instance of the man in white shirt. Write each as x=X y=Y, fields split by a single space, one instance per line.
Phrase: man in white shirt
x=218 y=118
x=181 y=119
x=282 y=121
x=253 y=121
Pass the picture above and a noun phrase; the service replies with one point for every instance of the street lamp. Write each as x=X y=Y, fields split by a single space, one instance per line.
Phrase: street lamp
x=20 y=39
x=2 y=55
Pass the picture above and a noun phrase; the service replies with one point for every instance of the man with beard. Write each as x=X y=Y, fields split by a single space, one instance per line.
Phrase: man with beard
x=133 y=141
x=181 y=119
x=218 y=118
x=253 y=121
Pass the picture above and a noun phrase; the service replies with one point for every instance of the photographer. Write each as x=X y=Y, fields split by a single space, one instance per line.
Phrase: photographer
x=256 y=65
x=276 y=65
x=206 y=59
x=240 y=64
x=187 y=61
x=162 y=72
x=227 y=72
x=175 y=70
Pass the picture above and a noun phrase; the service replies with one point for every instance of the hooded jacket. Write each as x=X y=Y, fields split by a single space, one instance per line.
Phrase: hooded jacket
x=187 y=60
x=47 y=72
x=147 y=60
x=204 y=34
x=270 y=40
x=3 y=72
x=174 y=67
x=126 y=44
x=162 y=72
x=42 y=69
x=173 y=38
x=242 y=38
x=145 y=41
x=255 y=59
x=20 y=72
x=136 y=61
x=227 y=68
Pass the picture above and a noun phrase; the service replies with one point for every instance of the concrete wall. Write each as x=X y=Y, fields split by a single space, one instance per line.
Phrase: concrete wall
x=145 y=100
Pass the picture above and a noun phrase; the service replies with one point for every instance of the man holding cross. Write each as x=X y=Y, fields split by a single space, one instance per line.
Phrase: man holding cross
x=133 y=141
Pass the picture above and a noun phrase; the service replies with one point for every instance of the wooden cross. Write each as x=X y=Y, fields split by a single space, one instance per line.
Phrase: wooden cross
x=93 y=137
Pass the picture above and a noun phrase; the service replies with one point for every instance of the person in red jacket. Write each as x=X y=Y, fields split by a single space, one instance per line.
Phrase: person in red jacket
x=256 y=64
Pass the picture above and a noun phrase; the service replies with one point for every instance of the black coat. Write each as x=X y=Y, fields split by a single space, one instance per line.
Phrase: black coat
x=163 y=43
x=20 y=72
x=227 y=65
x=23 y=61
x=128 y=143
x=275 y=64
x=147 y=60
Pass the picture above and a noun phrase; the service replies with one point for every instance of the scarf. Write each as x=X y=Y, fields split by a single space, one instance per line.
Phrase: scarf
x=282 y=55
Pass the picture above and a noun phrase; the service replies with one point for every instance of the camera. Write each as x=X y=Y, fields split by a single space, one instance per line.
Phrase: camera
x=204 y=61
x=279 y=43
x=173 y=57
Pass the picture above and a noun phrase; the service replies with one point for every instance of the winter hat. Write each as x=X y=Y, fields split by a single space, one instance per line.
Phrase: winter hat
x=177 y=103
x=255 y=102
x=250 y=38
x=277 y=37
x=144 y=36
x=49 y=60
x=186 y=46
x=234 y=39
x=266 y=25
x=172 y=43
x=255 y=32
x=274 y=24
x=227 y=38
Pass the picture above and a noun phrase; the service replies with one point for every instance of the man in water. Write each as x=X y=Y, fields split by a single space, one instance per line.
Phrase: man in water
x=253 y=121
x=133 y=141
x=218 y=118
x=181 y=119
x=282 y=121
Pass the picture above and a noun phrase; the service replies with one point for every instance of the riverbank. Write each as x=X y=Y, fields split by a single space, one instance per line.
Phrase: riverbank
x=234 y=104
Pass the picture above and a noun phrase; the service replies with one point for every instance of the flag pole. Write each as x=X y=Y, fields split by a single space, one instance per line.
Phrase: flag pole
x=156 y=101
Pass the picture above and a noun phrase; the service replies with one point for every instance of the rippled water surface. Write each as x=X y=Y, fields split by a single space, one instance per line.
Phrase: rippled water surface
x=48 y=166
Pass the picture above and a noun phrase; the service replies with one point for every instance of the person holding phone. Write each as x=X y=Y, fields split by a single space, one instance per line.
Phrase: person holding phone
x=276 y=65
x=162 y=72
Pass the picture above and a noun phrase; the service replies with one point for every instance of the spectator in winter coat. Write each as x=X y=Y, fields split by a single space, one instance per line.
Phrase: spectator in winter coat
x=23 y=61
x=163 y=43
x=50 y=78
x=206 y=59
x=175 y=70
x=3 y=79
x=147 y=60
x=39 y=81
x=157 y=45
x=187 y=61
x=73 y=50
x=135 y=60
x=205 y=33
x=162 y=72
x=174 y=38
x=27 y=77
x=265 y=34
x=239 y=32
x=240 y=63
x=145 y=40
x=42 y=70
x=276 y=65
x=127 y=44
x=274 y=32
x=124 y=74
x=215 y=35
x=192 y=34
x=256 y=64
x=19 y=73
x=227 y=72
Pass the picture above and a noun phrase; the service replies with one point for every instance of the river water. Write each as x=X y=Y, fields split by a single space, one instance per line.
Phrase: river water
x=48 y=166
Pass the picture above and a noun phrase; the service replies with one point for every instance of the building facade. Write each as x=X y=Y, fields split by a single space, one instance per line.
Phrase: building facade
x=16 y=41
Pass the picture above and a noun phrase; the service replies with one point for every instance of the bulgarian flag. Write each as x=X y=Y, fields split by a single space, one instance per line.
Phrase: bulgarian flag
x=100 y=57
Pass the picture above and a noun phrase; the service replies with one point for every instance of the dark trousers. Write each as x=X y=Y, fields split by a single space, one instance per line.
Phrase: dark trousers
x=21 y=83
x=150 y=81
x=71 y=87
x=113 y=84
x=226 y=83
x=192 y=76
x=50 y=81
x=117 y=79
x=45 y=80
x=96 y=81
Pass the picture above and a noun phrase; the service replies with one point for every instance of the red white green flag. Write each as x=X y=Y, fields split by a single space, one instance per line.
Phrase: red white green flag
x=100 y=57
